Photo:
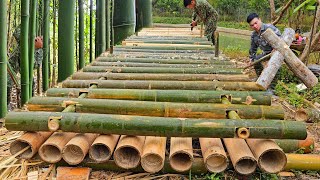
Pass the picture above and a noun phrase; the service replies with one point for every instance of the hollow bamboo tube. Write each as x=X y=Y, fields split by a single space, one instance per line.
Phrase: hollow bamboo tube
x=214 y=155
x=51 y=150
x=163 y=50
x=309 y=162
x=155 y=126
x=128 y=151
x=202 y=70
x=160 y=109
x=102 y=148
x=270 y=157
x=153 y=154
x=162 y=76
x=308 y=115
x=77 y=148
x=292 y=145
x=241 y=156
x=192 y=96
x=183 y=85
x=181 y=154
x=31 y=139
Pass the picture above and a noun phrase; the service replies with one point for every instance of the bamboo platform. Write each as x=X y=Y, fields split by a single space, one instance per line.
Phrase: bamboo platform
x=180 y=109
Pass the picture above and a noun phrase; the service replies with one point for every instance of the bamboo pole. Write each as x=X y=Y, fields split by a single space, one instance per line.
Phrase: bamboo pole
x=24 y=61
x=162 y=76
x=183 y=85
x=172 y=50
x=77 y=148
x=128 y=151
x=160 y=109
x=153 y=154
x=216 y=46
x=307 y=115
x=214 y=155
x=29 y=139
x=293 y=62
x=204 y=70
x=158 y=65
x=181 y=154
x=270 y=156
x=3 y=59
x=51 y=150
x=46 y=46
x=309 y=162
x=165 y=41
x=102 y=148
x=155 y=126
x=187 y=96
x=150 y=46
x=293 y=145
x=32 y=35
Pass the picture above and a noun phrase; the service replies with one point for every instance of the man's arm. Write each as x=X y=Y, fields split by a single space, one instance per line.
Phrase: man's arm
x=253 y=49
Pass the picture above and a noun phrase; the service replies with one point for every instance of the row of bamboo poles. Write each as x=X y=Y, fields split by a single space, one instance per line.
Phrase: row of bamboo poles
x=147 y=106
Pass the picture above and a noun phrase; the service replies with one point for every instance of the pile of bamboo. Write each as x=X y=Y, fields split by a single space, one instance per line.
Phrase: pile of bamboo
x=147 y=106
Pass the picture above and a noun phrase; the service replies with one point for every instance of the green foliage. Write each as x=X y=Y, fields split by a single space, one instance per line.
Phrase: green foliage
x=214 y=176
x=308 y=4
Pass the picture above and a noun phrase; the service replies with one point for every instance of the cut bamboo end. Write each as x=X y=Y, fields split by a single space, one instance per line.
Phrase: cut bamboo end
x=51 y=150
x=181 y=154
x=272 y=161
x=153 y=155
x=243 y=133
x=128 y=152
x=246 y=165
x=29 y=139
x=102 y=148
x=77 y=148
x=306 y=145
x=301 y=115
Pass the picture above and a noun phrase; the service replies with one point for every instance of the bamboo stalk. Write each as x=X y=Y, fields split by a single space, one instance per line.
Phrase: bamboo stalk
x=160 y=109
x=214 y=155
x=183 y=85
x=155 y=126
x=307 y=115
x=128 y=151
x=269 y=155
x=293 y=145
x=181 y=154
x=153 y=154
x=29 y=139
x=77 y=148
x=102 y=148
x=309 y=162
x=158 y=65
x=51 y=150
x=187 y=96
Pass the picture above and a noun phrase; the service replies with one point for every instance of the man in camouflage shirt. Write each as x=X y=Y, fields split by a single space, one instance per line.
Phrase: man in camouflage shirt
x=204 y=12
x=14 y=61
x=257 y=41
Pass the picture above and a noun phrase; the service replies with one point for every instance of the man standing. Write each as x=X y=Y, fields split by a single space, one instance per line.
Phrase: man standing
x=257 y=41
x=204 y=12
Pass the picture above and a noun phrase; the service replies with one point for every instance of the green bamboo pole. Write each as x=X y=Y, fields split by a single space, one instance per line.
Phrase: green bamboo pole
x=168 y=77
x=172 y=50
x=171 y=47
x=81 y=34
x=160 y=109
x=293 y=145
x=3 y=58
x=309 y=162
x=188 y=96
x=101 y=27
x=186 y=85
x=32 y=35
x=167 y=41
x=163 y=61
x=65 y=39
x=91 y=30
x=111 y=27
x=108 y=23
x=46 y=45
x=203 y=70
x=132 y=64
x=154 y=126
x=24 y=64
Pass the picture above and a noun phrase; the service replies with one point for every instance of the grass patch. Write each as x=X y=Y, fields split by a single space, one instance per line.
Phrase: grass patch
x=234 y=46
x=172 y=20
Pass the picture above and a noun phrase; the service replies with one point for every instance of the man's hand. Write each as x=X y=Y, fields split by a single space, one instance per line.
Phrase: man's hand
x=194 y=23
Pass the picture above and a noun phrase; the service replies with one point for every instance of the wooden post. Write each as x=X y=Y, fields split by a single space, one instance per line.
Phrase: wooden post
x=216 y=46
x=275 y=61
x=293 y=62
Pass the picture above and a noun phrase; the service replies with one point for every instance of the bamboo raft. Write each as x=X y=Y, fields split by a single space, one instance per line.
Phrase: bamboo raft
x=160 y=109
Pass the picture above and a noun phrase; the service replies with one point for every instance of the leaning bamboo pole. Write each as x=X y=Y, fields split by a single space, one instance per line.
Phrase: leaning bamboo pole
x=270 y=156
x=157 y=65
x=183 y=85
x=153 y=154
x=309 y=162
x=187 y=96
x=160 y=109
x=214 y=155
x=201 y=70
x=102 y=148
x=172 y=77
x=51 y=150
x=293 y=145
x=154 y=126
x=77 y=148
x=128 y=152
x=29 y=139
x=181 y=153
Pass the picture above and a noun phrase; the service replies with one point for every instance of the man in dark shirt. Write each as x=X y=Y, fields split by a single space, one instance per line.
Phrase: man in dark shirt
x=257 y=41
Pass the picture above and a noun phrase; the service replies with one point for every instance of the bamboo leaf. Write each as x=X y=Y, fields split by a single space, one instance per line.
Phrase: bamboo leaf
x=307 y=2
x=311 y=8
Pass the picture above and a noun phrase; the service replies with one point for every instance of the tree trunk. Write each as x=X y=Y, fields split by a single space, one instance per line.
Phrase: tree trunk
x=296 y=66
x=273 y=10
x=275 y=61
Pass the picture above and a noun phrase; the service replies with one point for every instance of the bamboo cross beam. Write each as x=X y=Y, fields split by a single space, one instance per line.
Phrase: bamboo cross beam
x=155 y=126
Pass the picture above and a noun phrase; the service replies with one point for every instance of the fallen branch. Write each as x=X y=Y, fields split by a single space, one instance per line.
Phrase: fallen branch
x=264 y=58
